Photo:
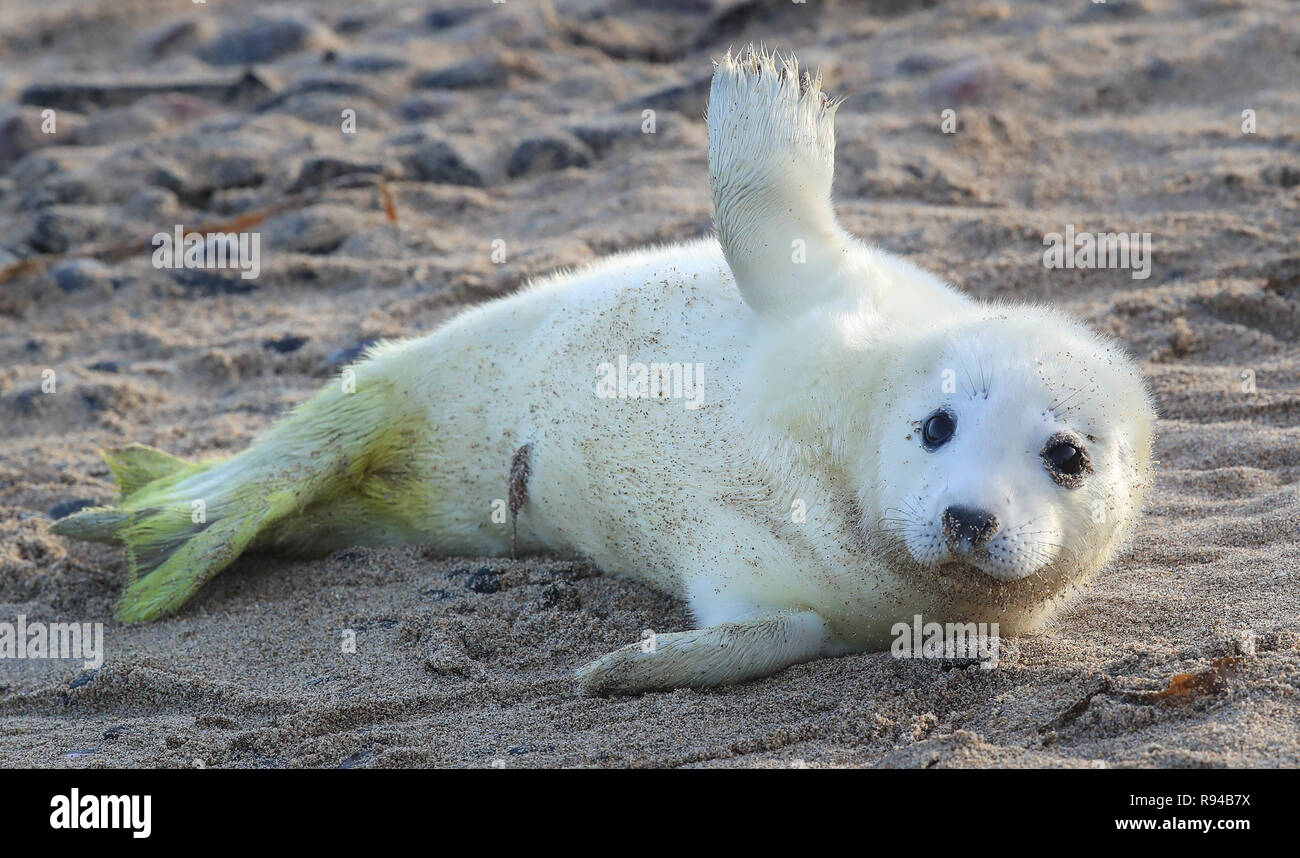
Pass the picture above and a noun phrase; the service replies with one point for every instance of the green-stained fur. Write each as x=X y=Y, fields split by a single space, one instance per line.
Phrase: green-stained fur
x=137 y=465
x=337 y=472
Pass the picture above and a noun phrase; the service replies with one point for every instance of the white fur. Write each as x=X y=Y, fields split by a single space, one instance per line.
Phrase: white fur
x=814 y=385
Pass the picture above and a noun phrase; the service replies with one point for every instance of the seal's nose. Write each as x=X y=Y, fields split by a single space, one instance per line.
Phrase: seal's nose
x=975 y=526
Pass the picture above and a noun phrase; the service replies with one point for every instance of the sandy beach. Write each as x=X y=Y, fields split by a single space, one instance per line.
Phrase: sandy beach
x=481 y=129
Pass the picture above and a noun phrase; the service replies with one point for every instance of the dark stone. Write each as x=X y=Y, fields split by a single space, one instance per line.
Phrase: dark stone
x=95 y=400
x=262 y=37
x=520 y=750
x=172 y=37
x=493 y=70
x=373 y=63
x=231 y=171
x=1283 y=276
x=63 y=509
x=1158 y=69
x=690 y=6
x=728 y=22
x=1113 y=9
x=248 y=87
x=619 y=39
x=604 y=133
x=441 y=19
x=150 y=203
x=169 y=177
x=438 y=161
x=358 y=760
x=688 y=98
x=286 y=344
x=20 y=133
x=82 y=679
x=561 y=597
x=30 y=402
x=484 y=581
x=420 y=107
x=350 y=354
x=320 y=85
x=542 y=154
x=61 y=190
x=914 y=64
x=78 y=275
x=317 y=171
x=350 y=24
x=106 y=366
x=86 y=96
x=207 y=284
x=320 y=230
x=1283 y=175
x=56 y=232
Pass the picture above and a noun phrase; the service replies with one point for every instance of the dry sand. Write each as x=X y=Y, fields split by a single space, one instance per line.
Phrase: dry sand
x=522 y=122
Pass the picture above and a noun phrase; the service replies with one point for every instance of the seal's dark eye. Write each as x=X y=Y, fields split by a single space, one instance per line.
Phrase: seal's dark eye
x=1067 y=462
x=1066 y=458
x=938 y=428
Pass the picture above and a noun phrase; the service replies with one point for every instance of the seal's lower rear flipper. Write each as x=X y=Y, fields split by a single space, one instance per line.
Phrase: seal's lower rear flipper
x=180 y=523
x=339 y=459
x=189 y=555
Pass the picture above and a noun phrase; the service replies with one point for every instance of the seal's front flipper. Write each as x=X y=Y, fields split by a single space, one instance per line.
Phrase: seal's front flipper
x=703 y=658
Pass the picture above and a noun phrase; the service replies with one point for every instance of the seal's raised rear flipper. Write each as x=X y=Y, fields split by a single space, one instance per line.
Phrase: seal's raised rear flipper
x=771 y=158
x=703 y=658
x=136 y=465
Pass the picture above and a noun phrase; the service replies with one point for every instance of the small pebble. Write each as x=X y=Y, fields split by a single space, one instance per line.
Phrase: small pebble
x=484 y=581
x=286 y=344
x=63 y=509
x=350 y=354
x=438 y=161
x=78 y=275
x=264 y=36
x=541 y=154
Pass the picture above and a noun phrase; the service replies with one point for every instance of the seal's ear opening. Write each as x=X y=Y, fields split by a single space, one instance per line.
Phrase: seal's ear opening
x=771 y=158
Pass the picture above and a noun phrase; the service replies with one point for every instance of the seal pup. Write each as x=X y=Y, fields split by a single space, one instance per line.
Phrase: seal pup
x=805 y=438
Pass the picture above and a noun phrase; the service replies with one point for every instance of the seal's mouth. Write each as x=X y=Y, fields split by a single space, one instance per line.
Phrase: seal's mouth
x=975 y=572
x=973 y=567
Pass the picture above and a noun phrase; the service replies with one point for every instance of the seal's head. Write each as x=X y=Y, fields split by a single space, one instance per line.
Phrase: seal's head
x=1015 y=444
